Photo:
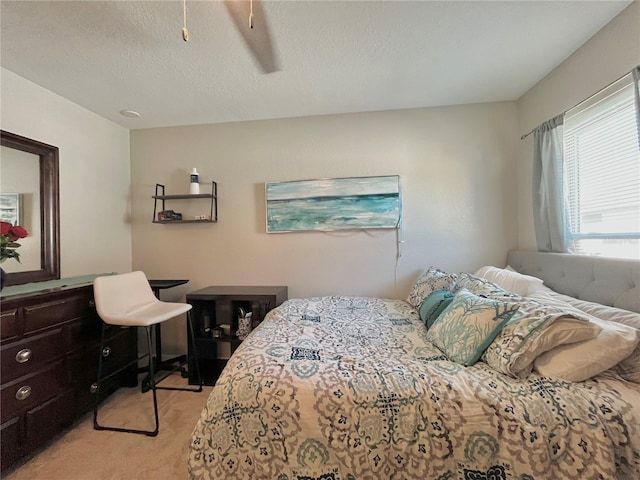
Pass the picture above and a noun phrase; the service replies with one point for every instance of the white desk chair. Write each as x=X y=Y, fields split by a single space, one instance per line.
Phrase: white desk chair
x=126 y=300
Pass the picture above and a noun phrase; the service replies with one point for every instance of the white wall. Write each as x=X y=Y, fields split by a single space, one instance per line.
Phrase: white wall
x=95 y=234
x=608 y=55
x=456 y=166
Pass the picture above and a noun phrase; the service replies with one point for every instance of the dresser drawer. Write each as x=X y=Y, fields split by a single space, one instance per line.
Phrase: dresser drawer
x=85 y=332
x=37 y=317
x=28 y=355
x=10 y=324
x=118 y=351
x=83 y=367
x=10 y=441
x=32 y=390
x=44 y=421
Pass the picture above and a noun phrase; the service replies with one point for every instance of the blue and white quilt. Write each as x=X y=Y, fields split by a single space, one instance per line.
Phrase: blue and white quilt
x=349 y=388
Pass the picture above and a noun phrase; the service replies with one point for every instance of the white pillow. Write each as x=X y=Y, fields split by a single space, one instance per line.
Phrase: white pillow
x=600 y=311
x=546 y=298
x=580 y=361
x=508 y=279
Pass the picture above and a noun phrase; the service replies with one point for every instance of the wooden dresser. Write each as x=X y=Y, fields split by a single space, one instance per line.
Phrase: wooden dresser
x=49 y=343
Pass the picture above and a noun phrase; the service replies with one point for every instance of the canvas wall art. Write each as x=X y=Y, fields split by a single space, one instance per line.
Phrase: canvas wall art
x=333 y=204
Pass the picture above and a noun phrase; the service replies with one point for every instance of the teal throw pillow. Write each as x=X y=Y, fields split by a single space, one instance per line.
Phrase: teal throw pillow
x=468 y=325
x=432 y=306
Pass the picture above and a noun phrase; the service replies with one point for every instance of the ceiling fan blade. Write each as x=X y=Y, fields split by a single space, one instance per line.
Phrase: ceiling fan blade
x=257 y=39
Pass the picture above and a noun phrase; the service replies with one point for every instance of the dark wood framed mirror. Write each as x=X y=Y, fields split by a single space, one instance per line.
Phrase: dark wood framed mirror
x=49 y=209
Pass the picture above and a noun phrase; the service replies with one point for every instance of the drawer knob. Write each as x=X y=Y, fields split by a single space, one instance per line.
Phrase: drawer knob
x=23 y=355
x=92 y=303
x=106 y=351
x=94 y=388
x=23 y=392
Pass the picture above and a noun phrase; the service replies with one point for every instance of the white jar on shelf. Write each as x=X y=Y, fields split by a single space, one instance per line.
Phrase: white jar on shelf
x=194 y=182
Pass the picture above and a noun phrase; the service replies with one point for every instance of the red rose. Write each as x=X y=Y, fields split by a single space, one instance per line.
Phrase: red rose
x=16 y=232
x=4 y=228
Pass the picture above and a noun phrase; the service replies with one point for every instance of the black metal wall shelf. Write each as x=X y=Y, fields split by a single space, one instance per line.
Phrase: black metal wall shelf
x=160 y=196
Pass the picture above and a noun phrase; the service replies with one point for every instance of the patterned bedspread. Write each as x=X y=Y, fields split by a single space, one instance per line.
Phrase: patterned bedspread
x=348 y=388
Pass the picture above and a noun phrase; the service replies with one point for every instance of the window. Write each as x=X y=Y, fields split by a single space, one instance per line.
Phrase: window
x=602 y=173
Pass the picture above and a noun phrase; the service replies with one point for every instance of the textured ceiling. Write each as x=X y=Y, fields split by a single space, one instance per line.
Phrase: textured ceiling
x=335 y=57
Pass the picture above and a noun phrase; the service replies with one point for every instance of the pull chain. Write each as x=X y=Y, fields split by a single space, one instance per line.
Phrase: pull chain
x=251 y=14
x=185 y=32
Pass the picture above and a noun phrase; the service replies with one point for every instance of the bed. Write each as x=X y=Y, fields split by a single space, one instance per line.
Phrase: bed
x=352 y=388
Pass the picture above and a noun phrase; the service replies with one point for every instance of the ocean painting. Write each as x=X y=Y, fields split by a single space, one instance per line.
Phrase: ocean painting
x=333 y=204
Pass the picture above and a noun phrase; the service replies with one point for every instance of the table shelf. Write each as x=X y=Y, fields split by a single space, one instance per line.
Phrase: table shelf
x=215 y=306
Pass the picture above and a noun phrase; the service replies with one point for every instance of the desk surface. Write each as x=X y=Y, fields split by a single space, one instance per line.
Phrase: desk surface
x=239 y=292
x=162 y=284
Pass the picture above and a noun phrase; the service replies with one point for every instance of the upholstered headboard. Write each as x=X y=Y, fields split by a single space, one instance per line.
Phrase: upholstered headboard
x=608 y=281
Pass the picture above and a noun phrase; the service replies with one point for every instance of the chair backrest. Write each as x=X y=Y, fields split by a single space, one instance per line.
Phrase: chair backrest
x=119 y=295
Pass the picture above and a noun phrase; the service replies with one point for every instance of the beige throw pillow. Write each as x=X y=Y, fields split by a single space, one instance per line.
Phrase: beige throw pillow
x=629 y=367
x=535 y=329
x=581 y=361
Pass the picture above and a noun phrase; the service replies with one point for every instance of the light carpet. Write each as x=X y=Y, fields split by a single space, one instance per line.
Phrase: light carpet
x=83 y=453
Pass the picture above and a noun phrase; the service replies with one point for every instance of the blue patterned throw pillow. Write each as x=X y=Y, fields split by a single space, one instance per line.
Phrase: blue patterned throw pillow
x=483 y=287
x=432 y=279
x=468 y=325
x=432 y=306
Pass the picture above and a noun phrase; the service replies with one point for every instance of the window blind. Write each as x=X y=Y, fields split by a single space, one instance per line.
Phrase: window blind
x=602 y=173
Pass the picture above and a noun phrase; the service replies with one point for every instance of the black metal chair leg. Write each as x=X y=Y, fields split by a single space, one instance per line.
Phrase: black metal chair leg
x=194 y=356
x=95 y=389
x=153 y=383
x=190 y=359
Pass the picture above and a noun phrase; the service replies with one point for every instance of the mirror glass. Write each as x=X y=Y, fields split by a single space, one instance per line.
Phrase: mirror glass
x=30 y=198
x=21 y=180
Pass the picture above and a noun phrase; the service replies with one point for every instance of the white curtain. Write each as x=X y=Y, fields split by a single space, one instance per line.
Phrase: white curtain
x=552 y=232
